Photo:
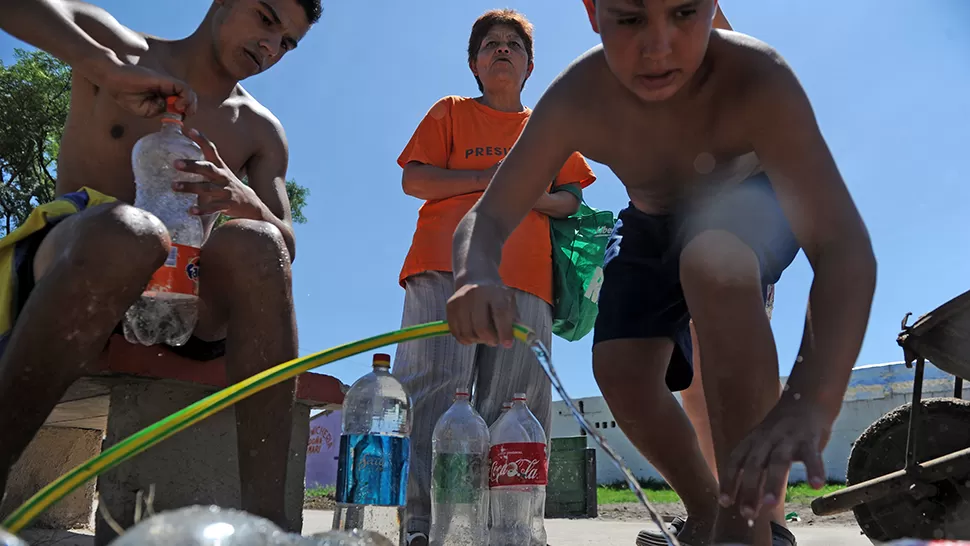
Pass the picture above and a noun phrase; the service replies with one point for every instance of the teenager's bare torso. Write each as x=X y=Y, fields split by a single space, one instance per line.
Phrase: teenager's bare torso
x=665 y=151
x=99 y=134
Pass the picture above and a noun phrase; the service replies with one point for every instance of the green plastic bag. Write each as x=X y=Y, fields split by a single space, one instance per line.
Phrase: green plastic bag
x=578 y=248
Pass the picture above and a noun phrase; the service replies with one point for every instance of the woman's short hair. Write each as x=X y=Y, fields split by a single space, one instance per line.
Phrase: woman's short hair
x=508 y=17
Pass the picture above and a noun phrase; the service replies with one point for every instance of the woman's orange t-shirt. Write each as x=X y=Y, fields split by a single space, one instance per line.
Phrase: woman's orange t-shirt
x=461 y=133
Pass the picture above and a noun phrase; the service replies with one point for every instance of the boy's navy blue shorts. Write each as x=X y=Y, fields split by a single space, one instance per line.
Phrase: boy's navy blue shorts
x=641 y=296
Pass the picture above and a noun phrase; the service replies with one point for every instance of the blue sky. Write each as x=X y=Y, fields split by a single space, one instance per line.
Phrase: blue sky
x=889 y=80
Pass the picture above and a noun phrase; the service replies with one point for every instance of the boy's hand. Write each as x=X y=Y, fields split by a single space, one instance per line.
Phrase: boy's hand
x=143 y=91
x=222 y=191
x=793 y=431
x=482 y=313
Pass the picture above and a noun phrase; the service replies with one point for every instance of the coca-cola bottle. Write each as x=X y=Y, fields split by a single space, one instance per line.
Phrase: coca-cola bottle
x=459 y=477
x=517 y=478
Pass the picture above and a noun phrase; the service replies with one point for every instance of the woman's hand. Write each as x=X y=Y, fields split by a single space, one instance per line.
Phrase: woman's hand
x=560 y=204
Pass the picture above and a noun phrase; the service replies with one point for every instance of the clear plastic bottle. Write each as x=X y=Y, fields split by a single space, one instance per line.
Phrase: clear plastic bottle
x=167 y=310
x=6 y=539
x=372 y=468
x=517 y=478
x=459 y=477
x=506 y=406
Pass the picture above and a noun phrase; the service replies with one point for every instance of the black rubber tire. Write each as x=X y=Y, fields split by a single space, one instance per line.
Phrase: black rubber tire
x=881 y=450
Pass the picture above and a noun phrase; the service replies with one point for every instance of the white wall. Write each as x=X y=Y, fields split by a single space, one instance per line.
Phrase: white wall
x=873 y=391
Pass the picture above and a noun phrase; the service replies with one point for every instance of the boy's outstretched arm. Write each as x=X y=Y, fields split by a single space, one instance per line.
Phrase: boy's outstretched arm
x=483 y=309
x=824 y=219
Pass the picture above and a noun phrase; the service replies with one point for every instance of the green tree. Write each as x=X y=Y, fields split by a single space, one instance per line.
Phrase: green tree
x=35 y=97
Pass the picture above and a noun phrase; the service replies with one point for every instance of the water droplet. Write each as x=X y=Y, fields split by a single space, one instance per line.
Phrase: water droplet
x=797 y=396
x=799 y=358
x=786 y=387
x=750 y=523
x=704 y=163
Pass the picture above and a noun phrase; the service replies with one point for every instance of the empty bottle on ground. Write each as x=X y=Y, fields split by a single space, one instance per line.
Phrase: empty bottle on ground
x=167 y=311
x=517 y=478
x=372 y=468
x=459 y=477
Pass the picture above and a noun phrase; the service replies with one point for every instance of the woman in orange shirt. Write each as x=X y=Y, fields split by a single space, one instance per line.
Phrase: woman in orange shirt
x=448 y=163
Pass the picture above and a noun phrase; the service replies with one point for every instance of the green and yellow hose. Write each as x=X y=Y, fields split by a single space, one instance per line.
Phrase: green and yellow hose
x=180 y=420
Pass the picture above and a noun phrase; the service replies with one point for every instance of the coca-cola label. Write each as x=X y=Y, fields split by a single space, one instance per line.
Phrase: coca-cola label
x=518 y=464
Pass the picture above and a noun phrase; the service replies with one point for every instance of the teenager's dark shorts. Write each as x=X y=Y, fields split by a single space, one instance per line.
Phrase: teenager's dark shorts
x=641 y=296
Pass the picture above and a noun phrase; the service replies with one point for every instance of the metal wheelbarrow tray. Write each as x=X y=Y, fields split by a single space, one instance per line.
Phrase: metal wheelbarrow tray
x=909 y=473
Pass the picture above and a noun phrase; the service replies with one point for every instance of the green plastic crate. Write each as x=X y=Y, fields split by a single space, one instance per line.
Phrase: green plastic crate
x=571 y=491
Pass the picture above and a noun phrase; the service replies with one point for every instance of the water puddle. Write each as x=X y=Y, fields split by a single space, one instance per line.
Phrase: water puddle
x=542 y=355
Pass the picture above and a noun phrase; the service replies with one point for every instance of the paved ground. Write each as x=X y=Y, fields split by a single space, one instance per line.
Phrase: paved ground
x=562 y=532
x=581 y=532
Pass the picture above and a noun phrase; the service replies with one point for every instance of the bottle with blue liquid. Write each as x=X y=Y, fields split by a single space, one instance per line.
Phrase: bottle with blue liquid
x=372 y=468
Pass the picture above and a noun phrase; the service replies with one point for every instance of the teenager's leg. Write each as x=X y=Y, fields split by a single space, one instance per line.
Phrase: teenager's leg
x=631 y=375
x=246 y=289
x=71 y=312
x=430 y=370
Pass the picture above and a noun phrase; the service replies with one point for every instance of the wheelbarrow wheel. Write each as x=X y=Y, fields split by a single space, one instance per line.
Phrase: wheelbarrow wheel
x=881 y=450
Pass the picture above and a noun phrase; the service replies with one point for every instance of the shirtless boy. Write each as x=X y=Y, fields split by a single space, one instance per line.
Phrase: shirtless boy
x=728 y=175
x=75 y=277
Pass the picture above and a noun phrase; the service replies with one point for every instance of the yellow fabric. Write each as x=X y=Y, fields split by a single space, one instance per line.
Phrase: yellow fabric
x=39 y=218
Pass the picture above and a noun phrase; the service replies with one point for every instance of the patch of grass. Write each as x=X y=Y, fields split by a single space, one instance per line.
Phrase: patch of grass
x=803 y=493
x=660 y=493
x=320 y=492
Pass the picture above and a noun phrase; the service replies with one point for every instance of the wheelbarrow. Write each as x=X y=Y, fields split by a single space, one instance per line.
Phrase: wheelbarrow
x=909 y=473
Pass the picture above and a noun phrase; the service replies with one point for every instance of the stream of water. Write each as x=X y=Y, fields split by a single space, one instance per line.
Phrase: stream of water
x=542 y=355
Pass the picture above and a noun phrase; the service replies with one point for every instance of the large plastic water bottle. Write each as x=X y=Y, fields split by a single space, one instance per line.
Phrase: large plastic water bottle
x=459 y=477
x=372 y=469
x=167 y=311
x=517 y=478
x=6 y=539
x=202 y=526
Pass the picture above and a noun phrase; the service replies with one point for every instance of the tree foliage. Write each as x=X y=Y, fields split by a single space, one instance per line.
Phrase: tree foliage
x=297 y=195
x=34 y=100
x=35 y=97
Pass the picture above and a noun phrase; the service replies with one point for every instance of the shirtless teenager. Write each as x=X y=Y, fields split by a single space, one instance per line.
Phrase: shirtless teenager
x=75 y=277
x=728 y=175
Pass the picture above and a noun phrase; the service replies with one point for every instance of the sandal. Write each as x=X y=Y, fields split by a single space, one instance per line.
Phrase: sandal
x=780 y=536
x=655 y=538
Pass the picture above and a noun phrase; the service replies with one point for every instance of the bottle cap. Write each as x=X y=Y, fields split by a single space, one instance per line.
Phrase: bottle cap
x=507 y=405
x=461 y=393
x=518 y=397
x=173 y=114
x=382 y=360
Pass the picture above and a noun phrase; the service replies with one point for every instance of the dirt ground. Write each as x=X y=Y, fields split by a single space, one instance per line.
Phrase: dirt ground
x=636 y=512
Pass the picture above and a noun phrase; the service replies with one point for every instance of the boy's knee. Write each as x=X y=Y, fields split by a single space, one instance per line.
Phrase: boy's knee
x=716 y=261
x=247 y=247
x=117 y=240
